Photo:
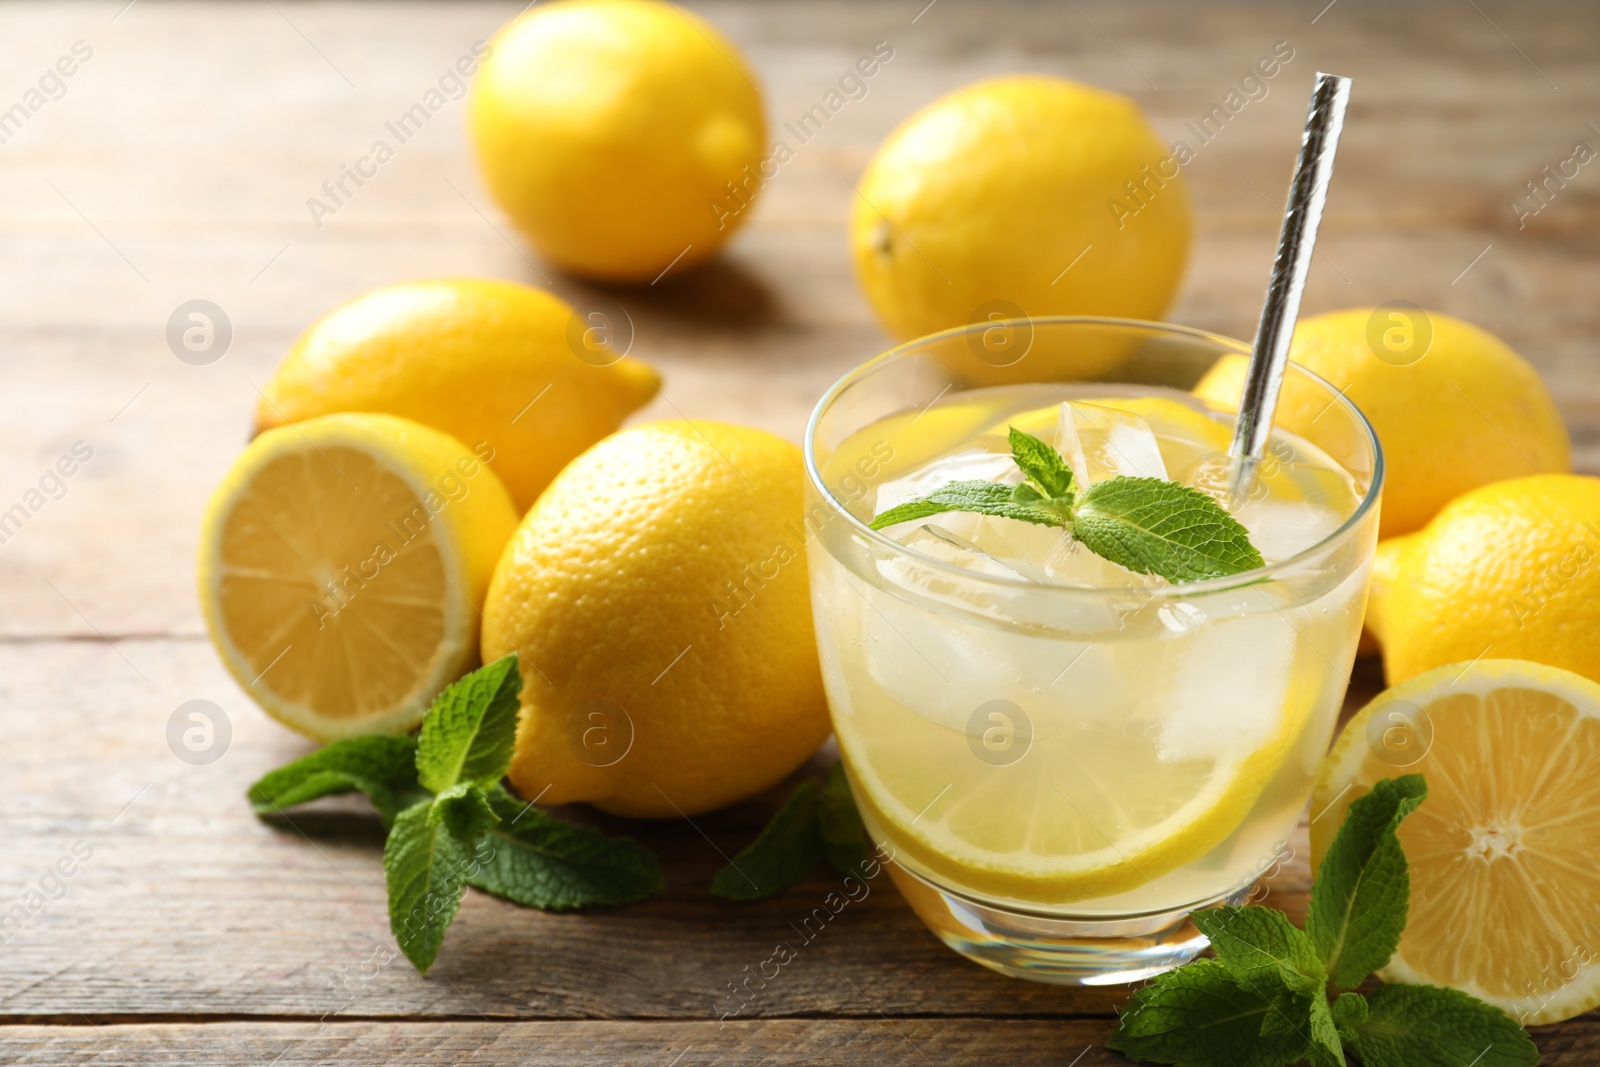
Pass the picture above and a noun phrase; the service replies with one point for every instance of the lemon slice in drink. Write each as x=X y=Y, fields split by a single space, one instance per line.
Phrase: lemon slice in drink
x=1102 y=807
x=1074 y=831
x=343 y=565
x=1505 y=891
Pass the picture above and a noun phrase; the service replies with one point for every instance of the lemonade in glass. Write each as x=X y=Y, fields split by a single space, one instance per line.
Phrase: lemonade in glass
x=1063 y=756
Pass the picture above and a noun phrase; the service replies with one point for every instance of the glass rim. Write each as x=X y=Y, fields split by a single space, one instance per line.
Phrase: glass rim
x=1268 y=572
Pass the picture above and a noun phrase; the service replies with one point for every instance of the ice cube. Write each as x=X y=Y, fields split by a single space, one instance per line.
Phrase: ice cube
x=1228 y=689
x=1101 y=442
x=943 y=543
x=987 y=460
x=1038 y=553
x=1283 y=528
x=1023 y=546
x=944 y=666
x=1070 y=563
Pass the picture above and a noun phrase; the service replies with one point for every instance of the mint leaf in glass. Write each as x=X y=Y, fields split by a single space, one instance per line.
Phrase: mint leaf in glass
x=1042 y=465
x=469 y=733
x=1159 y=527
x=1429 y=1026
x=1148 y=525
x=788 y=848
x=1359 y=899
x=384 y=768
x=538 y=861
x=983 y=498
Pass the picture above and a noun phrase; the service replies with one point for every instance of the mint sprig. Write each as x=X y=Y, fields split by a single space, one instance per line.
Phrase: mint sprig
x=384 y=768
x=1148 y=525
x=453 y=824
x=1361 y=896
x=469 y=734
x=425 y=865
x=1426 y=1026
x=538 y=861
x=1263 y=1002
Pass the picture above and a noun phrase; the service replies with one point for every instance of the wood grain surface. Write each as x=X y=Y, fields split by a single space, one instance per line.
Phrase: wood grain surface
x=176 y=165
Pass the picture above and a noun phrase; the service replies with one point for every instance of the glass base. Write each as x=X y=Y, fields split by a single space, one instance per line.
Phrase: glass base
x=1061 y=951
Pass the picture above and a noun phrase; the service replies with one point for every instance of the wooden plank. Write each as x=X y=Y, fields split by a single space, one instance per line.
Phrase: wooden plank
x=189 y=905
x=1065 y=1042
x=219 y=212
x=825 y=1043
x=177 y=165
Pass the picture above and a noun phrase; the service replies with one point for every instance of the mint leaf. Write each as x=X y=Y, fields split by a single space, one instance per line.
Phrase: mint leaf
x=1154 y=526
x=788 y=848
x=1042 y=465
x=844 y=839
x=1148 y=525
x=1256 y=943
x=1349 y=1012
x=1359 y=899
x=538 y=861
x=1266 y=953
x=465 y=812
x=1428 y=1026
x=983 y=498
x=1326 y=1048
x=470 y=732
x=425 y=866
x=1199 y=1016
x=384 y=768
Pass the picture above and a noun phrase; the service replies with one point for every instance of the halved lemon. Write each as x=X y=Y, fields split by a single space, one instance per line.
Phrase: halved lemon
x=343 y=565
x=1505 y=887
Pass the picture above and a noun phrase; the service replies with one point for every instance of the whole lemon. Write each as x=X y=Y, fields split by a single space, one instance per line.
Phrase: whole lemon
x=490 y=363
x=1509 y=570
x=1453 y=405
x=1031 y=194
x=657 y=596
x=622 y=136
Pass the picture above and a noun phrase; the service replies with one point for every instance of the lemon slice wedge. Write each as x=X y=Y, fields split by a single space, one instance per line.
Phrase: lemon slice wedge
x=1106 y=810
x=1505 y=890
x=343 y=564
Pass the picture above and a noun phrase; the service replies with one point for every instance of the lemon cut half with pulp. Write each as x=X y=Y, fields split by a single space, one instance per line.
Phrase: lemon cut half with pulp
x=1505 y=891
x=343 y=565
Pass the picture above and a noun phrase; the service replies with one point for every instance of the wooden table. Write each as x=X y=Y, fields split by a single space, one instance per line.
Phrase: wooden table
x=176 y=166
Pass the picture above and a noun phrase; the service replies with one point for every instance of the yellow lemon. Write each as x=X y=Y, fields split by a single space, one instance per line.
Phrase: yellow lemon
x=1510 y=569
x=657 y=596
x=494 y=364
x=623 y=137
x=1385 y=571
x=1454 y=407
x=1504 y=885
x=1020 y=195
x=343 y=563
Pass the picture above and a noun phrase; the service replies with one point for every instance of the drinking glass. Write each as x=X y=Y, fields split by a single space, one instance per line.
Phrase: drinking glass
x=1058 y=774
